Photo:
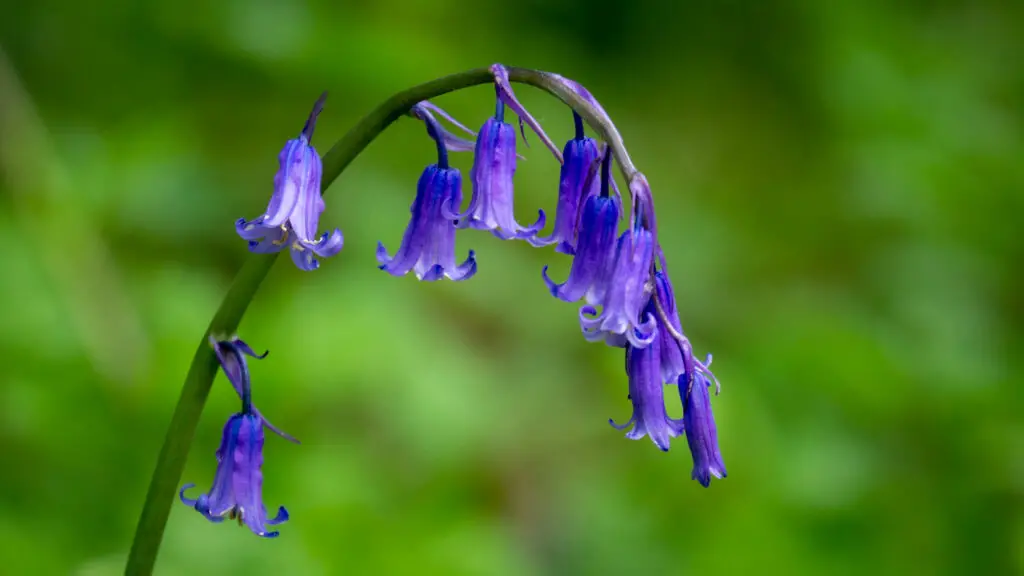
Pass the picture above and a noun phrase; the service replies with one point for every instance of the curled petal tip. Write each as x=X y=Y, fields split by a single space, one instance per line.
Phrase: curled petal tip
x=627 y=424
x=531 y=230
x=190 y=502
x=383 y=258
x=552 y=286
x=466 y=270
x=281 y=517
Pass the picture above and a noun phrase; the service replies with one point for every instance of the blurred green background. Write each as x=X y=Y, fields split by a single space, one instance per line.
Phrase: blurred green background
x=840 y=189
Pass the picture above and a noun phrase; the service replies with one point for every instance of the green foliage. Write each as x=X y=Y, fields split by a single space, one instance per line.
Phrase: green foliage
x=839 y=191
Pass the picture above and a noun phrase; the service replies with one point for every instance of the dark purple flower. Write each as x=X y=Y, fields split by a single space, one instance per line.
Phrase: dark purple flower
x=494 y=166
x=577 y=174
x=598 y=225
x=627 y=291
x=646 y=393
x=676 y=357
x=237 y=490
x=292 y=217
x=428 y=246
x=231 y=354
x=587 y=277
x=699 y=423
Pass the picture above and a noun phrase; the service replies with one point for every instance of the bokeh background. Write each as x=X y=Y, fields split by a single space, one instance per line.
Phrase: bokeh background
x=840 y=189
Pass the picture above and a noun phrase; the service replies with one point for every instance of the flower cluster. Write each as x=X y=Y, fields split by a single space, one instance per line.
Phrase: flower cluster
x=617 y=271
x=237 y=490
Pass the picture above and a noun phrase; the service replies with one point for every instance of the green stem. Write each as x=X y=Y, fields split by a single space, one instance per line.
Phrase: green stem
x=171 y=462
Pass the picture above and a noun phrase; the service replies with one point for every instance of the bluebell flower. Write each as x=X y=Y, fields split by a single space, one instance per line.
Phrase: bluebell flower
x=598 y=226
x=494 y=167
x=588 y=275
x=293 y=214
x=646 y=393
x=699 y=423
x=231 y=355
x=622 y=318
x=676 y=356
x=577 y=173
x=428 y=247
x=237 y=490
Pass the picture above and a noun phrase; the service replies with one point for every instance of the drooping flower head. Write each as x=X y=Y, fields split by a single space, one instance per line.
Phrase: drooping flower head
x=293 y=214
x=629 y=284
x=494 y=168
x=428 y=247
x=701 y=433
x=677 y=359
x=580 y=156
x=598 y=225
x=646 y=393
x=627 y=292
x=676 y=356
x=237 y=490
x=231 y=354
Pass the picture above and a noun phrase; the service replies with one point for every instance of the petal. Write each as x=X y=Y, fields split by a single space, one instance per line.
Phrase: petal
x=252 y=230
x=552 y=287
x=329 y=245
x=532 y=230
x=221 y=498
x=644 y=334
x=628 y=423
x=539 y=242
x=303 y=258
x=305 y=218
x=203 y=507
x=281 y=517
x=286 y=186
x=466 y=270
x=384 y=259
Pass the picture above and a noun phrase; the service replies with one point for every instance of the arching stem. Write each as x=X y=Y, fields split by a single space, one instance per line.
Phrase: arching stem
x=171 y=461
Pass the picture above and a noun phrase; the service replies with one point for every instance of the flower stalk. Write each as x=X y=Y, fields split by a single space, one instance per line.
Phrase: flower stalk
x=171 y=460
